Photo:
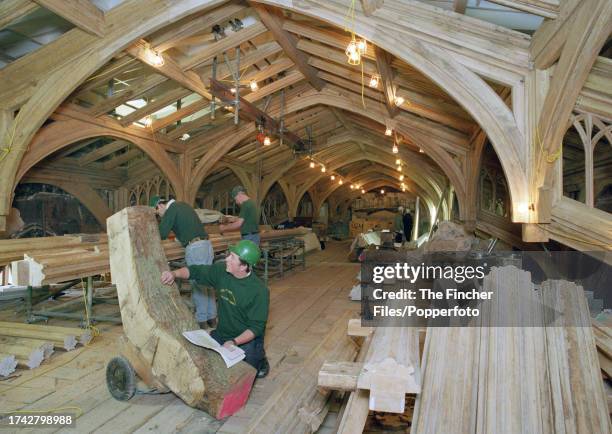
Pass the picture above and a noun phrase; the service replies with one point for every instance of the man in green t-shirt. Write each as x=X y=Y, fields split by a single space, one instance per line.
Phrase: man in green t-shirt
x=247 y=221
x=244 y=301
x=181 y=219
x=398 y=225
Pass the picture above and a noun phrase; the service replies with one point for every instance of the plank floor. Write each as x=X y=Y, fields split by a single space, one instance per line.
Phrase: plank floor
x=303 y=305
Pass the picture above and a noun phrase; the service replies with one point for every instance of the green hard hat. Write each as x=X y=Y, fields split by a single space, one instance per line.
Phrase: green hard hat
x=236 y=190
x=154 y=201
x=246 y=250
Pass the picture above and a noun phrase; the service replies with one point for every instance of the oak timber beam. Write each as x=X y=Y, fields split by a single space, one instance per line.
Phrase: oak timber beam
x=75 y=112
x=589 y=31
x=82 y=13
x=273 y=20
x=101 y=152
x=383 y=61
x=229 y=42
x=171 y=69
x=548 y=40
x=543 y=8
x=171 y=38
x=12 y=10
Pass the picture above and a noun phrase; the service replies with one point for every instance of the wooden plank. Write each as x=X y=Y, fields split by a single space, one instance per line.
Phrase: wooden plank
x=12 y=10
x=167 y=39
x=383 y=60
x=273 y=20
x=543 y=8
x=227 y=43
x=82 y=13
x=101 y=152
x=340 y=375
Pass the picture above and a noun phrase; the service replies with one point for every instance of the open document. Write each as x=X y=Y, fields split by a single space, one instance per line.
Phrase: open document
x=201 y=338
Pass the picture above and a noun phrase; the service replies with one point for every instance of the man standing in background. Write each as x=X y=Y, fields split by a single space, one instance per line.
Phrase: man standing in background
x=182 y=219
x=247 y=221
x=398 y=225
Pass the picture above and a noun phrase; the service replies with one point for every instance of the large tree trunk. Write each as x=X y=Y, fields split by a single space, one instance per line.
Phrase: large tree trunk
x=154 y=318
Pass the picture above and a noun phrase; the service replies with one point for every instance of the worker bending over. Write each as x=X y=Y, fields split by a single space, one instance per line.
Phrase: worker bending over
x=247 y=221
x=182 y=219
x=243 y=301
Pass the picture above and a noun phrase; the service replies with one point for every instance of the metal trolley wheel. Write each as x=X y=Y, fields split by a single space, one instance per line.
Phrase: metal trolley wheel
x=120 y=378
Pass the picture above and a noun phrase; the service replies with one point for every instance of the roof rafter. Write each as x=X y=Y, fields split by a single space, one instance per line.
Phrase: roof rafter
x=82 y=13
x=273 y=20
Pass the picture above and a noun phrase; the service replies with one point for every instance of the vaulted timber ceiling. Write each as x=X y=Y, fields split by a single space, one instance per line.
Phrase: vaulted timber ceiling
x=283 y=53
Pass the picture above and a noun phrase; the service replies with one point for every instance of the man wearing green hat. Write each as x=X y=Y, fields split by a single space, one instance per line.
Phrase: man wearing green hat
x=181 y=218
x=247 y=221
x=243 y=301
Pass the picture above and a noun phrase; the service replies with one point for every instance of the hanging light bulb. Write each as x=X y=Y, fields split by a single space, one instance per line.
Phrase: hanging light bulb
x=352 y=52
x=401 y=177
x=362 y=46
x=399 y=168
x=395 y=149
x=362 y=191
x=341 y=182
x=267 y=141
x=323 y=169
x=312 y=164
x=399 y=101
x=374 y=81
x=253 y=85
x=388 y=132
x=421 y=151
x=333 y=178
x=185 y=136
x=352 y=187
x=154 y=58
x=398 y=161
x=382 y=191
x=233 y=90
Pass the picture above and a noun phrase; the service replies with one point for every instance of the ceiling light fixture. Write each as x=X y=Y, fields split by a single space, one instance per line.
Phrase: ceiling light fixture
x=388 y=132
x=312 y=164
x=253 y=85
x=395 y=149
x=399 y=101
x=374 y=81
x=267 y=141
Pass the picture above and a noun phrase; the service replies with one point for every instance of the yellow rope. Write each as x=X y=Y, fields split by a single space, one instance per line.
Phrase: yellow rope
x=94 y=330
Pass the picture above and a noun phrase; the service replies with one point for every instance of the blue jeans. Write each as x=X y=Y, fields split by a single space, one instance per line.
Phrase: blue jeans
x=252 y=237
x=201 y=253
x=253 y=351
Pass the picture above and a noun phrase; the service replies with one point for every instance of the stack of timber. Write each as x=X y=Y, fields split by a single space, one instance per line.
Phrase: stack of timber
x=44 y=266
x=603 y=341
x=27 y=345
x=14 y=249
x=154 y=318
x=530 y=365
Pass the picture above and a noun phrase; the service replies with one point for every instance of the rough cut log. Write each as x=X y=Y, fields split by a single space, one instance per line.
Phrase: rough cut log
x=154 y=318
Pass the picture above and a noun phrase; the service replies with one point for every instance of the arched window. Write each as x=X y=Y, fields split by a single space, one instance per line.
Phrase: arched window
x=574 y=185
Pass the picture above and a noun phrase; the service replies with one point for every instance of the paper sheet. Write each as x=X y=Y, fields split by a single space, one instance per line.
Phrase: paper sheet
x=201 y=338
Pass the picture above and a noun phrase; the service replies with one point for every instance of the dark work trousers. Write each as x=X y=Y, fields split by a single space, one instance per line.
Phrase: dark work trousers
x=253 y=350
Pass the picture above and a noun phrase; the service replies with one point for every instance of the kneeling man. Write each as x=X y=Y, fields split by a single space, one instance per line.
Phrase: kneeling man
x=243 y=301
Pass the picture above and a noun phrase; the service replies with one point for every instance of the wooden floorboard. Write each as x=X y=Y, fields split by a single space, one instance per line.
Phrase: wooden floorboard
x=303 y=305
